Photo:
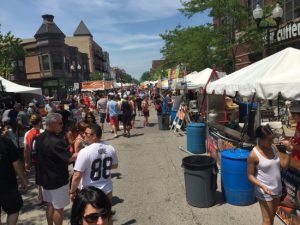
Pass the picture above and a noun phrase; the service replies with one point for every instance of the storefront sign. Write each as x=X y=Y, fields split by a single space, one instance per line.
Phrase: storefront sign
x=50 y=83
x=288 y=32
x=76 y=86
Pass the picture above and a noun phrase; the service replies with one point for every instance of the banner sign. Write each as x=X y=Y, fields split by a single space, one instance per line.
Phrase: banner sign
x=96 y=85
x=165 y=84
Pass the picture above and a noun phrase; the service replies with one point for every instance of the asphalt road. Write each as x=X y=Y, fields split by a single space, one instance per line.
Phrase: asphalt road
x=149 y=185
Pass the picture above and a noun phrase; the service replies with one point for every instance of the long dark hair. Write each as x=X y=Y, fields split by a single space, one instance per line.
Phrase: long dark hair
x=89 y=195
x=263 y=131
x=90 y=114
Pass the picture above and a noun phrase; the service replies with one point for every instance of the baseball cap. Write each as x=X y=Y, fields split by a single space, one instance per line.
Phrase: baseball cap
x=124 y=96
x=31 y=104
x=295 y=107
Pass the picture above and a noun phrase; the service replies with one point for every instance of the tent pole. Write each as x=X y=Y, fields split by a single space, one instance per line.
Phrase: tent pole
x=278 y=107
x=258 y=113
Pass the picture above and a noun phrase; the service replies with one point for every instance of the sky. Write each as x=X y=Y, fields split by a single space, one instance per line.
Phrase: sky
x=127 y=29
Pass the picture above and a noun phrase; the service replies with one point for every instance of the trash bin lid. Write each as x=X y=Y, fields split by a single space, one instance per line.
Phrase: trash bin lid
x=196 y=125
x=235 y=153
x=198 y=162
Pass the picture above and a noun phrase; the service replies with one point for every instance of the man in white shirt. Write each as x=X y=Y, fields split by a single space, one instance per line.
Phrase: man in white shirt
x=94 y=163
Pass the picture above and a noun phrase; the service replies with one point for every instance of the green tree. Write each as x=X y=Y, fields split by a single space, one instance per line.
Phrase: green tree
x=10 y=51
x=145 y=76
x=237 y=27
x=192 y=46
x=96 y=76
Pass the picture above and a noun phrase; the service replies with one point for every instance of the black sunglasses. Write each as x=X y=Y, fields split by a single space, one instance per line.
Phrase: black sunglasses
x=93 y=218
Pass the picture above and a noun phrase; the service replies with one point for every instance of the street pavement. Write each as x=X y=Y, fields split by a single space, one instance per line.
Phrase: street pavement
x=149 y=185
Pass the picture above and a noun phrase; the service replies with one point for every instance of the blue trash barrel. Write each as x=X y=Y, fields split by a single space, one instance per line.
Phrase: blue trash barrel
x=236 y=188
x=173 y=115
x=243 y=106
x=196 y=134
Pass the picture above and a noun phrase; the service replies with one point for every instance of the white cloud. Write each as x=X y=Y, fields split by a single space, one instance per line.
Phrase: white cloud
x=133 y=46
x=120 y=38
x=115 y=24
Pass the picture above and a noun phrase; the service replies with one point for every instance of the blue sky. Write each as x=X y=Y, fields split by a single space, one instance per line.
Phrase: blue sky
x=128 y=29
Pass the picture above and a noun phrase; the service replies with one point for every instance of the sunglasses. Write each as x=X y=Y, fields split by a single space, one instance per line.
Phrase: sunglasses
x=93 y=218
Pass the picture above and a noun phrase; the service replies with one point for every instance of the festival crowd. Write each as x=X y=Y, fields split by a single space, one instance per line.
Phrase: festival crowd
x=47 y=138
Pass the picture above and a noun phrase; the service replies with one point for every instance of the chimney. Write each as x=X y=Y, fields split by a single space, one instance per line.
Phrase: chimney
x=48 y=18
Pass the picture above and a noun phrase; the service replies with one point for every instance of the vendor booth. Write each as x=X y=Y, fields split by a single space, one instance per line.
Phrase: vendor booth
x=16 y=88
x=276 y=75
x=11 y=91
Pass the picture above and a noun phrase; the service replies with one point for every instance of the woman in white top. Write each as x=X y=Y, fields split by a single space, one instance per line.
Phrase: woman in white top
x=264 y=164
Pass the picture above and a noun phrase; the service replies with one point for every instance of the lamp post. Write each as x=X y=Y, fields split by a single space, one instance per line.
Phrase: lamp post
x=277 y=16
x=183 y=68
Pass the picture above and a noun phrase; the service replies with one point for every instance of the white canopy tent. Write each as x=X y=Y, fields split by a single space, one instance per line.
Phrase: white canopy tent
x=277 y=73
x=196 y=80
x=16 y=88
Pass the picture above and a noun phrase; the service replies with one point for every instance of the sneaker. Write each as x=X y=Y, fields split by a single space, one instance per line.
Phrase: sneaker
x=128 y=135
x=124 y=134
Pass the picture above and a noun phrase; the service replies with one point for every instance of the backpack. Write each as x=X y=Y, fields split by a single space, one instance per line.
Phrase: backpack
x=33 y=152
x=158 y=107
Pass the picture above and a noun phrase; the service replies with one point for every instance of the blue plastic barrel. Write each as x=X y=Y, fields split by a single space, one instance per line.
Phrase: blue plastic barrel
x=196 y=135
x=243 y=106
x=173 y=115
x=236 y=188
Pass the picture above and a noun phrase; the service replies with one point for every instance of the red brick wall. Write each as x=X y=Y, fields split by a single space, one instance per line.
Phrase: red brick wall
x=156 y=64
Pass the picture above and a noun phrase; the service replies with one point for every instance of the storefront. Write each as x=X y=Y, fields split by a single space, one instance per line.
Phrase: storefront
x=287 y=35
x=55 y=88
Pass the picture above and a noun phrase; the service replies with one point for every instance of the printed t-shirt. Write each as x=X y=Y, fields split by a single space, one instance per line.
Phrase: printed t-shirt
x=95 y=162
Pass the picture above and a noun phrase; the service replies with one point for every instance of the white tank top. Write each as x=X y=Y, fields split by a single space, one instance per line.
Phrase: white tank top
x=268 y=172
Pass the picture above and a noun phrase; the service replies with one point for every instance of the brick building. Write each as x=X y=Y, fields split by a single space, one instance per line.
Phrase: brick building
x=156 y=64
x=55 y=62
x=287 y=35
x=83 y=40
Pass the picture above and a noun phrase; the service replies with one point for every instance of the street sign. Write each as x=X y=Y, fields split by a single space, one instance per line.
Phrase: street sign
x=76 y=86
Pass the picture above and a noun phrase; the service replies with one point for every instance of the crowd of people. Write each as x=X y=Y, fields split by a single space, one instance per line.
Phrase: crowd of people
x=45 y=139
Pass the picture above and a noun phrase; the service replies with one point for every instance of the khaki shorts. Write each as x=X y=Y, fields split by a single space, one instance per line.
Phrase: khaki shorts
x=59 y=197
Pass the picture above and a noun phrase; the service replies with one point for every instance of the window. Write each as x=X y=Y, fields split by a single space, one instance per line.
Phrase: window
x=21 y=65
x=255 y=2
x=67 y=64
x=296 y=9
x=57 y=62
x=45 y=62
x=291 y=10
